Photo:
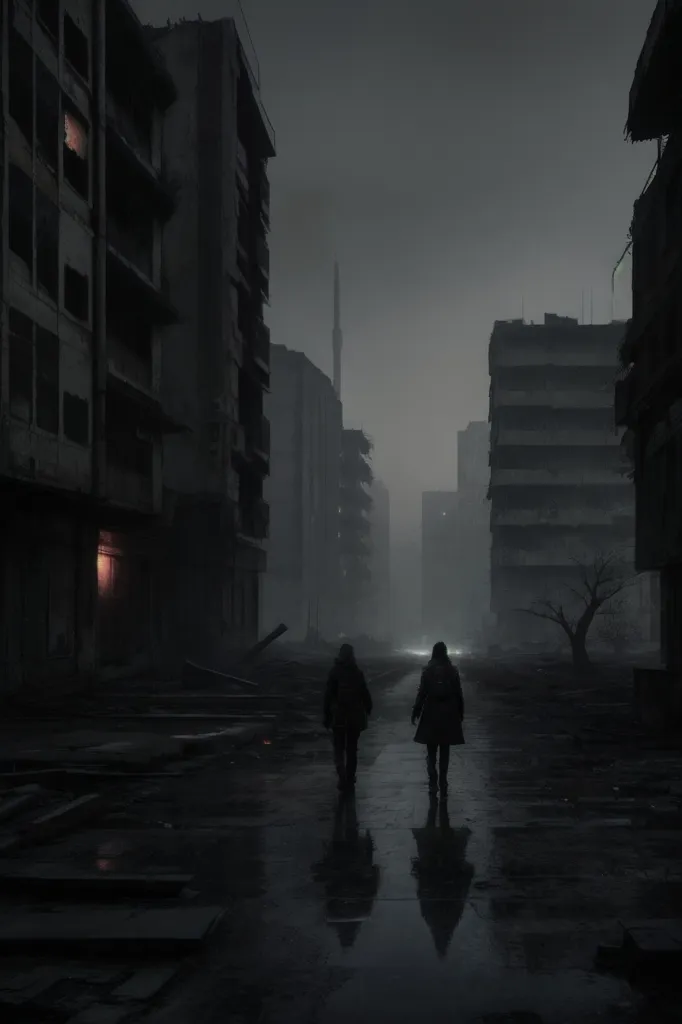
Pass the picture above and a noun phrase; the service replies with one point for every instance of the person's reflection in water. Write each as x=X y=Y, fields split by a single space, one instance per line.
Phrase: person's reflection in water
x=348 y=873
x=443 y=874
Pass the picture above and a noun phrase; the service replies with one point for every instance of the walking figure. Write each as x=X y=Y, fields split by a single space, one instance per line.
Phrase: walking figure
x=440 y=709
x=347 y=705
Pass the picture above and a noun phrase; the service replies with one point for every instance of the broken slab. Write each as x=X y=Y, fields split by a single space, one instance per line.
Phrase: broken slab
x=18 y=800
x=52 y=879
x=144 y=984
x=103 y=931
x=64 y=818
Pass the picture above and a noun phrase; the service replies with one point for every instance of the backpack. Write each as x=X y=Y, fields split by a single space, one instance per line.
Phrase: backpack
x=441 y=683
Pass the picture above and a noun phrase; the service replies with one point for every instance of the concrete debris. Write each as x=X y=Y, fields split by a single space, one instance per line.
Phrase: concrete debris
x=108 y=930
x=198 y=676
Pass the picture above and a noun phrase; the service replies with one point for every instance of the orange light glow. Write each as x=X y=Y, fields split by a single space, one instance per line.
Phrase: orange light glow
x=75 y=136
x=104 y=572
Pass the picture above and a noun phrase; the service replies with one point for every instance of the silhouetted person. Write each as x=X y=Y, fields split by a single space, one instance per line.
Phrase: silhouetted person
x=349 y=874
x=443 y=875
x=347 y=704
x=440 y=709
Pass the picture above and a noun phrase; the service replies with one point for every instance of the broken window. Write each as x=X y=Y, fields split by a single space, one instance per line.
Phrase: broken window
x=21 y=215
x=76 y=153
x=47 y=380
x=47 y=12
x=20 y=366
x=76 y=47
x=47 y=115
x=47 y=245
x=76 y=293
x=21 y=84
x=76 y=418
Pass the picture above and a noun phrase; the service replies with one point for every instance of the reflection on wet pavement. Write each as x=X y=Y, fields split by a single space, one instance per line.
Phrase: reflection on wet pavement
x=392 y=908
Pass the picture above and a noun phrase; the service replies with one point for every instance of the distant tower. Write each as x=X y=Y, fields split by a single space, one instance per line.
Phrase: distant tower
x=337 y=337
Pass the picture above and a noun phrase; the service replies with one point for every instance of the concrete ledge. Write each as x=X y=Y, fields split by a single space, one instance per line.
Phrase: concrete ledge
x=658 y=699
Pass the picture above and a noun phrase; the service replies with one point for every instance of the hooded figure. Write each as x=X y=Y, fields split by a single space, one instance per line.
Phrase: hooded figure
x=347 y=704
x=440 y=709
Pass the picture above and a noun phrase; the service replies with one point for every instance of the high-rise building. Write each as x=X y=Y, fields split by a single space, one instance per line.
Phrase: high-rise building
x=471 y=535
x=301 y=585
x=559 y=487
x=84 y=306
x=355 y=531
x=217 y=141
x=649 y=394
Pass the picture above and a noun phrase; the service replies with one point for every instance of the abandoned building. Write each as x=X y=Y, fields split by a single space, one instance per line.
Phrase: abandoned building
x=649 y=395
x=378 y=614
x=355 y=530
x=216 y=360
x=82 y=302
x=559 y=486
x=301 y=584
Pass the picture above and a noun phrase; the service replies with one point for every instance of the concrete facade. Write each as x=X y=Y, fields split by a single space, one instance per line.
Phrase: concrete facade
x=216 y=144
x=301 y=585
x=379 y=607
x=83 y=306
x=559 y=488
x=355 y=531
x=649 y=393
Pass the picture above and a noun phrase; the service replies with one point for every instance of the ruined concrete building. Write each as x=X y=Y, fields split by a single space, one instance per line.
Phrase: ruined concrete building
x=217 y=141
x=301 y=585
x=355 y=530
x=649 y=397
x=438 y=558
x=108 y=258
x=471 y=536
x=559 y=488
x=83 y=302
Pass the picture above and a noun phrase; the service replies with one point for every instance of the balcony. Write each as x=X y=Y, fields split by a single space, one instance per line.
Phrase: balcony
x=260 y=346
x=254 y=520
x=572 y=517
x=559 y=438
x=258 y=438
x=263 y=256
x=550 y=356
x=132 y=247
x=555 y=477
x=577 y=399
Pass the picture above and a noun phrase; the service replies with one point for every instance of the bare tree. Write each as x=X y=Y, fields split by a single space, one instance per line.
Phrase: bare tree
x=599 y=582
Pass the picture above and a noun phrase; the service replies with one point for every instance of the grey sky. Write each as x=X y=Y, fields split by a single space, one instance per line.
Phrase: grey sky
x=457 y=155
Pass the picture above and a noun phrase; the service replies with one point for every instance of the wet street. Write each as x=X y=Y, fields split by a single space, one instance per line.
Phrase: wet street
x=389 y=907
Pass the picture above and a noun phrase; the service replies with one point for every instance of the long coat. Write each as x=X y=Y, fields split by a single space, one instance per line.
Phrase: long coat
x=347 y=700
x=441 y=717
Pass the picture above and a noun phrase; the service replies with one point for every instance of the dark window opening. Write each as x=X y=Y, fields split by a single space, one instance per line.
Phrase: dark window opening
x=47 y=245
x=76 y=47
x=21 y=215
x=47 y=380
x=76 y=293
x=130 y=227
x=47 y=115
x=21 y=84
x=48 y=15
x=20 y=366
x=76 y=415
x=76 y=166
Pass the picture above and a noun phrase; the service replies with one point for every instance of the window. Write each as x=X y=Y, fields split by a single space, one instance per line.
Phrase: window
x=76 y=417
x=76 y=293
x=21 y=84
x=47 y=381
x=76 y=47
x=21 y=215
x=20 y=366
x=47 y=115
x=47 y=12
x=76 y=153
x=47 y=245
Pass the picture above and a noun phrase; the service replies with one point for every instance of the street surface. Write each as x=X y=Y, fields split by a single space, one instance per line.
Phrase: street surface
x=562 y=821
